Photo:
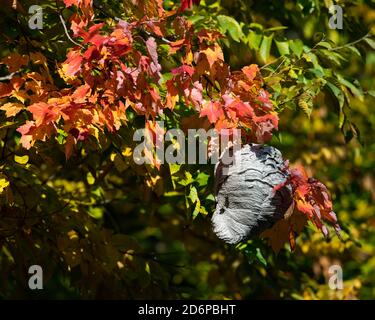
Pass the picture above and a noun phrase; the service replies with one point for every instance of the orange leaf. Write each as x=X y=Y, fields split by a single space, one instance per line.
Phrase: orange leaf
x=12 y=108
x=213 y=54
x=250 y=71
x=280 y=233
x=69 y=145
x=72 y=64
x=43 y=113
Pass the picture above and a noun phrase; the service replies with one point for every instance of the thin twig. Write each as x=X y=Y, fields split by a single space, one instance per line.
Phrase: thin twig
x=67 y=33
x=278 y=67
x=270 y=63
x=64 y=24
x=156 y=36
x=9 y=76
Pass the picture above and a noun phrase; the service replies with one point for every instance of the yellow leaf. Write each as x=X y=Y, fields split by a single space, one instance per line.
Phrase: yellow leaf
x=127 y=152
x=213 y=54
x=90 y=178
x=120 y=164
x=3 y=184
x=72 y=235
x=20 y=95
x=189 y=58
x=21 y=159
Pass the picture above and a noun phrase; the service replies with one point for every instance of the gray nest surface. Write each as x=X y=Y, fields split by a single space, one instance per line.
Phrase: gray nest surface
x=246 y=203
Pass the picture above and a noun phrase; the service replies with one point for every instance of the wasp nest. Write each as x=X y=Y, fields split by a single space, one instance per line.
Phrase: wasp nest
x=246 y=203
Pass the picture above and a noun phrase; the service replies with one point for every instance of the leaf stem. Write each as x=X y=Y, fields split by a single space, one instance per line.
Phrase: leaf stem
x=350 y=43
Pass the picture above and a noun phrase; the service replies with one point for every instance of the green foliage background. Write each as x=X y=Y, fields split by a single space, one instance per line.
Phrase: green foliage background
x=102 y=227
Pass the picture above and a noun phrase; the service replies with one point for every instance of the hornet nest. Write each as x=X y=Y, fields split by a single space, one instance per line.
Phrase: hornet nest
x=246 y=203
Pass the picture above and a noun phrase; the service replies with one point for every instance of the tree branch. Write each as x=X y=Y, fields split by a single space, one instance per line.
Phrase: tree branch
x=350 y=43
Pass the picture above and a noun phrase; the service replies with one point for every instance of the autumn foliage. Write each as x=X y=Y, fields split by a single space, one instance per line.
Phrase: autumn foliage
x=156 y=64
x=108 y=73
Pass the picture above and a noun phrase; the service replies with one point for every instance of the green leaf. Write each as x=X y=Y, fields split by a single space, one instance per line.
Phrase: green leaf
x=230 y=25
x=196 y=18
x=318 y=73
x=254 y=40
x=202 y=179
x=324 y=44
x=98 y=192
x=265 y=48
x=95 y=212
x=311 y=57
x=61 y=136
x=260 y=257
x=174 y=168
x=357 y=92
x=370 y=42
x=337 y=93
x=165 y=77
x=334 y=57
x=188 y=179
x=193 y=195
x=276 y=28
x=173 y=194
x=252 y=253
x=255 y=25
x=355 y=51
x=292 y=74
x=296 y=46
x=282 y=47
x=202 y=210
x=197 y=209
x=340 y=98
x=8 y=124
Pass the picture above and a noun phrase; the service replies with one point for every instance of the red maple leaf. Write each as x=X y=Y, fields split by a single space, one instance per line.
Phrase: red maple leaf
x=312 y=199
x=188 y=4
x=184 y=69
x=213 y=110
x=5 y=89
